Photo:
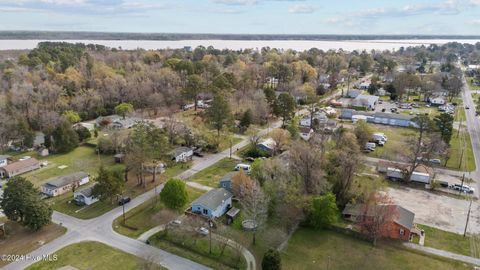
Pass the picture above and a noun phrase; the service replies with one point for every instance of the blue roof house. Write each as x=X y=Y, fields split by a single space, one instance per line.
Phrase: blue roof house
x=213 y=204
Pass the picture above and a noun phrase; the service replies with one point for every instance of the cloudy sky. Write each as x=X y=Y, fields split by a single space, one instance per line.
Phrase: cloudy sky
x=245 y=16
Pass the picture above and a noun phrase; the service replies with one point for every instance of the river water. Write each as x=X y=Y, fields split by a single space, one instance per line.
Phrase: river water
x=298 y=45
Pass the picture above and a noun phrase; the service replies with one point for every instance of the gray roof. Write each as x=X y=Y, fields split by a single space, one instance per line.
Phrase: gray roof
x=179 y=150
x=227 y=177
x=369 y=98
x=403 y=217
x=64 y=180
x=213 y=198
x=394 y=116
x=87 y=191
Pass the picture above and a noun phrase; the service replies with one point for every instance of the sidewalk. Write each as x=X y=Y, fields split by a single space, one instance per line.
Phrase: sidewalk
x=443 y=253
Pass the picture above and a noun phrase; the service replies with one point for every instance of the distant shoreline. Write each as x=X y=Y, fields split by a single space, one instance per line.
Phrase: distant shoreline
x=47 y=35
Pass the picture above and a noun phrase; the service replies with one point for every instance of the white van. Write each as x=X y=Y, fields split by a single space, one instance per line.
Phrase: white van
x=370 y=146
x=243 y=167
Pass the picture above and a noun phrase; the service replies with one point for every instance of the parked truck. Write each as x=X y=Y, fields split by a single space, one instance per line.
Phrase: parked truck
x=397 y=174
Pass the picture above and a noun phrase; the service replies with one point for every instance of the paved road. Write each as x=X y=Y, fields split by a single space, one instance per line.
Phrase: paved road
x=100 y=228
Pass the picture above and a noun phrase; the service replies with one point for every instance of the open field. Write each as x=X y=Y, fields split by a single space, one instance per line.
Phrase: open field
x=311 y=249
x=212 y=175
x=471 y=85
x=457 y=150
x=449 y=241
x=82 y=158
x=398 y=138
x=150 y=214
x=93 y=255
x=21 y=240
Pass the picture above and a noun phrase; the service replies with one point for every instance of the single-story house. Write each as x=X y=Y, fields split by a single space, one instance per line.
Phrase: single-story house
x=39 y=139
x=84 y=196
x=117 y=122
x=119 y=158
x=437 y=100
x=318 y=116
x=364 y=85
x=226 y=181
x=392 y=119
x=89 y=126
x=213 y=204
x=366 y=101
x=4 y=160
x=267 y=145
x=19 y=167
x=181 y=154
x=64 y=184
x=306 y=133
x=399 y=226
x=381 y=92
x=43 y=152
x=154 y=167
x=353 y=93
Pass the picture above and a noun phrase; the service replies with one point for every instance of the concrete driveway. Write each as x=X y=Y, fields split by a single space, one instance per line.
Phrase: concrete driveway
x=439 y=211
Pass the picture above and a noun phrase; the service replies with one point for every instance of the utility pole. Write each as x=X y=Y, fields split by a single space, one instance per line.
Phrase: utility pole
x=463 y=179
x=468 y=217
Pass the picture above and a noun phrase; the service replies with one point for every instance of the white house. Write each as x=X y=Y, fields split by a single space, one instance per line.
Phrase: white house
x=64 y=184
x=84 y=196
x=437 y=100
x=367 y=101
x=213 y=204
x=267 y=145
x=320 y=116
x=181 y=154
x=3 y=160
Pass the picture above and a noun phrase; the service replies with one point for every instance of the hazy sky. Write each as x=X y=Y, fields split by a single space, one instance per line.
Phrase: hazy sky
x=245 y=16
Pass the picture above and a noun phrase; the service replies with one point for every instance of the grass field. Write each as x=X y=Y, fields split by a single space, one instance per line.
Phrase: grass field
x=93 y=255
x=196 y=248
x=211 y=175
x=396 y=140
x=82 y=158
x=452 y=242
x=150 y=214
x=310 y=249
x=65 y=205
x=21 y=240
x=471 y=85
x=456 y=146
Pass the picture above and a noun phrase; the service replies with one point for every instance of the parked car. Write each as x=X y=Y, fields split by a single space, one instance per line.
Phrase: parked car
x=467 y=107
x=370 y=146
x=203 y=231
x=124 y=200
x=243 y=167
x=443 y=183
x=464 y=188
x=176 y=222
x=435 y=161
x=198 y=154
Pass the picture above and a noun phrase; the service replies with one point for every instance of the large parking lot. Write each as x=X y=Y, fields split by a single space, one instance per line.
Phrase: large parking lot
x=440 y=211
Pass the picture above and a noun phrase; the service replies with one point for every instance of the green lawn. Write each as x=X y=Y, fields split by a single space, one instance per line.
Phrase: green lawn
x=471 y=85
x=396 y=140
x=196 y=248
x=92 y=255
x=311 y=249
x=456 y=143
x=82 y=158
x=65 y=205
x=460 y=115
x=452 y=242
x=150 y=214
x=211 y=175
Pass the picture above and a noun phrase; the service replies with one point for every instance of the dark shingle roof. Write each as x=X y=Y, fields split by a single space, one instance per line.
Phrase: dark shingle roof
x=87 y=191
x=213 y=198
x=64 y=180
x=403 y=217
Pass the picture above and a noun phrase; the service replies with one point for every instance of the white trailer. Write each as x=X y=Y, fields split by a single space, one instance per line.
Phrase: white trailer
x=421 y=177
x=395 y=173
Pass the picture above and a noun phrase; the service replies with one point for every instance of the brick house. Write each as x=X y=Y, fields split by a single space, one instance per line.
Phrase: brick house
x=400 y=226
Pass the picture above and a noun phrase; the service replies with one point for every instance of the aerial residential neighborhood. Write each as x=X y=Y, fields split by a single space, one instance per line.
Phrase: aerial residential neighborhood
x=239 y=135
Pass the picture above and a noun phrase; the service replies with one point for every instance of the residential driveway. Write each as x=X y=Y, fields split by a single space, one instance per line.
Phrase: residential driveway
x=438 y=211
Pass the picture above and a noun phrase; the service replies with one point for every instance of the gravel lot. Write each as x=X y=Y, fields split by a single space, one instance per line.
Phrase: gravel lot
x=438 y=211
